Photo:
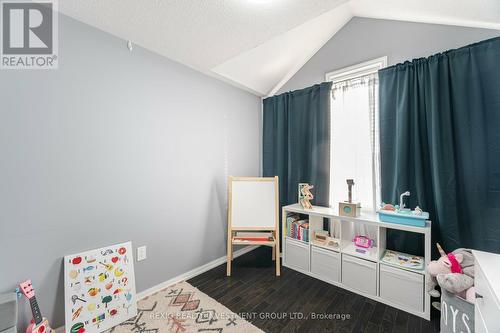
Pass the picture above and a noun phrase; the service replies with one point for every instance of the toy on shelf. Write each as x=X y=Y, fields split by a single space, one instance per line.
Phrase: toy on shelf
x=363 y=244
x=348 y=208
x=400 y=259
x=401 y=215
x=388 y=207
x=332 y=242
x=322 y=238
x=305 y=195
x=418 y=211
x=454 y=272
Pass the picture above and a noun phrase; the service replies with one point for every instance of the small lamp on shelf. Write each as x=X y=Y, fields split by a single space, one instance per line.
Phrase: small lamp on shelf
x=348 y=208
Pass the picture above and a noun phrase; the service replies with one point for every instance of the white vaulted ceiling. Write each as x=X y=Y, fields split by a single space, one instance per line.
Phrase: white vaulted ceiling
x=258 y=44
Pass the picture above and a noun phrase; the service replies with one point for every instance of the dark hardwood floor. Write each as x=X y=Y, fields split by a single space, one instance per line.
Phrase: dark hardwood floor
x=289 y=302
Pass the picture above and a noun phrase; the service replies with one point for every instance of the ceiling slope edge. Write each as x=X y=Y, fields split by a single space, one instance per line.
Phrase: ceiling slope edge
x=268 y=66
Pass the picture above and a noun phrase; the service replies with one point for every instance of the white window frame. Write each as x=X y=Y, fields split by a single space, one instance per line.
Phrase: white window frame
x=352 y=72
x=364 y=68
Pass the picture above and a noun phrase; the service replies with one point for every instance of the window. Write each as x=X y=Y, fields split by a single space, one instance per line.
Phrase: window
x=354 y=139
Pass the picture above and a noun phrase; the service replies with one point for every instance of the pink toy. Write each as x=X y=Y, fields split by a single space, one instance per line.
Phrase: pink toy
x=454 y=264
x=363 y=241
x=39 y=324
x=389 y=207
x=453 y=272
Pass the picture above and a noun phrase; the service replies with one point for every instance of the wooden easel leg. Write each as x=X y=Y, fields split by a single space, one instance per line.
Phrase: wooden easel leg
x=229 y=252
x=228 y=269
x=274 y=252
x=277 y=261
x=277 y=253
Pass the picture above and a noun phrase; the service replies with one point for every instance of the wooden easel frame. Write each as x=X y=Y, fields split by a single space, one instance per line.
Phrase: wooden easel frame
x=275 y=243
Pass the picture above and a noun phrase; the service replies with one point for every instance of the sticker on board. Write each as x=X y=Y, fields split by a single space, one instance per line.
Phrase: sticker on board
x=99 y=288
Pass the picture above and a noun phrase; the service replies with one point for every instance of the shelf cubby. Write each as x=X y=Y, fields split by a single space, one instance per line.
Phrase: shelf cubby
x=324 y=225
x=351 y=229
x=288 y=218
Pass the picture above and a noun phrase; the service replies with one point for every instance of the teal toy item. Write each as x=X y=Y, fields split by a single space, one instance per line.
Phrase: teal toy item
x=401 y=215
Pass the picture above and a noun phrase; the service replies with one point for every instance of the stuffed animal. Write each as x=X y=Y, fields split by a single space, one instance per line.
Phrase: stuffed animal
x=453 y=272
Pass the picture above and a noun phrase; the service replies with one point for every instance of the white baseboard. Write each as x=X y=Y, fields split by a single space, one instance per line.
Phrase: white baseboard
x=193 y=272
x=186 y=276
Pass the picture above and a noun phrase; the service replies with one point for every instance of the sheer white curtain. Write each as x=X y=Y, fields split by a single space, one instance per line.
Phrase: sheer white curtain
x=354 y=143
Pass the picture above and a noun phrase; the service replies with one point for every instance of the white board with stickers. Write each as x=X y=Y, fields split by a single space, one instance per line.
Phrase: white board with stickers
x=99 y=288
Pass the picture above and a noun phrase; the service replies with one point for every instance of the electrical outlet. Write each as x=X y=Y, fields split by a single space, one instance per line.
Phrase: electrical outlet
x=141 y=253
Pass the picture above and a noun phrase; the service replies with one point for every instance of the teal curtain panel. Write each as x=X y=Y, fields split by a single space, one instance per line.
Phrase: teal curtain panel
x=440 y=139
x=296 y=141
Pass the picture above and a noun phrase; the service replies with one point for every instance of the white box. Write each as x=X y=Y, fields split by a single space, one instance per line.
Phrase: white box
x=297 y=254
x=487 y=306
x=325 y=264
x=359 y=274
x=402 y=287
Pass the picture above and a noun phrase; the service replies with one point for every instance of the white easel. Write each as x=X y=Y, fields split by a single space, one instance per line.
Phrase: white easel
x=253 y=206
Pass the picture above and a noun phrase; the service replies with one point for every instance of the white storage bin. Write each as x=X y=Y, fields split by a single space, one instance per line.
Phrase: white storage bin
x=457 y=315
x=325 y=264
x=487 y=305
x=359 y=274
x=402 y=287
x=297 y=254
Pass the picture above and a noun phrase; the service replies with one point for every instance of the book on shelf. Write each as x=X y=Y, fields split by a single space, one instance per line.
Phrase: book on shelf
x=297 y=228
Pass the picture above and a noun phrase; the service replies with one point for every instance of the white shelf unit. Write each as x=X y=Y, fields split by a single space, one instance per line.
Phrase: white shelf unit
x=364 y=274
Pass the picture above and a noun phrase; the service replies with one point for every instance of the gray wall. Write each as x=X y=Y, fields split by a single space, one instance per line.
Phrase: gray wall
x=364 y=39
x=116 y=146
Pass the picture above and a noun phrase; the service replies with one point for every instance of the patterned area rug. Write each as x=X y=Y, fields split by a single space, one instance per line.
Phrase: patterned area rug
x=182 y=308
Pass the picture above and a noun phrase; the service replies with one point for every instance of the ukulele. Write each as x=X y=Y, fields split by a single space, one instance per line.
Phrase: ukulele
x=38 y=323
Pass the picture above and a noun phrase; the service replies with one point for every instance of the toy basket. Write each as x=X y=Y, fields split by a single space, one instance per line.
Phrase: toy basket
x=457 y=314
